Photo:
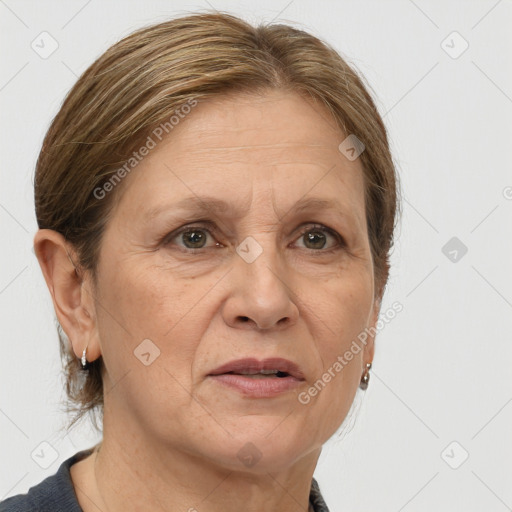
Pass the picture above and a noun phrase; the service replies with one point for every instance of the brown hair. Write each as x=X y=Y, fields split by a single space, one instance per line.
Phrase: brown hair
x=141 y=82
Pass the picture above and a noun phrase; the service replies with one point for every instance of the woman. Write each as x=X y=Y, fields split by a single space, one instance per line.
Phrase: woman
x=216 y=205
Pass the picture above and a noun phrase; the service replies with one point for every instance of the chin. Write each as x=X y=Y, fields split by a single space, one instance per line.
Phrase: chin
x=260 y=446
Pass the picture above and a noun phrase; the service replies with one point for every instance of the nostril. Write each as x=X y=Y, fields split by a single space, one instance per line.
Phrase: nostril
x=244 y=318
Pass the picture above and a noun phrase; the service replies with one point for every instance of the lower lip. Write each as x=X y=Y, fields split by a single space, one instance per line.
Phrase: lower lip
x=257 y=387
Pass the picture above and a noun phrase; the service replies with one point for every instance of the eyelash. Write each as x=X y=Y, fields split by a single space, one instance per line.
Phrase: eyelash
x=208 y=229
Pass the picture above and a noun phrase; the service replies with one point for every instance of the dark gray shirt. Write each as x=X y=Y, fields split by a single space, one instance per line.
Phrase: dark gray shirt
x=57 y=494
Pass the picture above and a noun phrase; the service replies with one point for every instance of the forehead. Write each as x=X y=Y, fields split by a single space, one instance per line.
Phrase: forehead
x=268 y=124
x=235 y=146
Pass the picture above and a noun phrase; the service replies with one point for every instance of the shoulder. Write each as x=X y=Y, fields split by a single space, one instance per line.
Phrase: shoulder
x=315 y=498
x=54 y=494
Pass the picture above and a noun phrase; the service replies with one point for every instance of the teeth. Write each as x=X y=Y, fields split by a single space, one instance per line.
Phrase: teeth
x=263 y=372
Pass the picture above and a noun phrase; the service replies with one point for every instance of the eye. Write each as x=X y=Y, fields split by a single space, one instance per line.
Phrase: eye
x=194 y=239
x=191 y=237
x=317 y=237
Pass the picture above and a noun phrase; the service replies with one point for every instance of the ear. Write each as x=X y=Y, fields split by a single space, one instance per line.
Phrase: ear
x=369 y=350
x=71 y=291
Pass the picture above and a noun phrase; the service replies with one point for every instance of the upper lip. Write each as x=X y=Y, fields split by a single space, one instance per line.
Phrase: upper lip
x=252 y=364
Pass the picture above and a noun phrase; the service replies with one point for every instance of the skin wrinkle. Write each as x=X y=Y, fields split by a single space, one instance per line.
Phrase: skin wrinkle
x=352 y=232
x=254 y=146
x=170 y=416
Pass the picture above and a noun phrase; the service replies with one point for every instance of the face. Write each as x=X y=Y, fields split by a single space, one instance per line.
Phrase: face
x=240 y=237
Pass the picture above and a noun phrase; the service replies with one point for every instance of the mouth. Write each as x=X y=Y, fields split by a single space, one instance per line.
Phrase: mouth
x=276 y=368
x=262 y=374
x=259 y=379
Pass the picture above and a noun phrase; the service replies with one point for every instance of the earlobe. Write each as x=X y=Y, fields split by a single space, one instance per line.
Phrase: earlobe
x=72 y=301
x=369 y=351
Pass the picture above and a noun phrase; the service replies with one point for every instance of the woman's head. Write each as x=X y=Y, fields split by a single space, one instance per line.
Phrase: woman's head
x=205 y=122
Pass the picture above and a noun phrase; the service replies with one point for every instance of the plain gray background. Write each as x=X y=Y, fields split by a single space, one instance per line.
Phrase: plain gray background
x=433 y=430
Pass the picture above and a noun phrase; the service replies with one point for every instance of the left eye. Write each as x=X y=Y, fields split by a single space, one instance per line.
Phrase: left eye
x=316 y=237
x=193 y=238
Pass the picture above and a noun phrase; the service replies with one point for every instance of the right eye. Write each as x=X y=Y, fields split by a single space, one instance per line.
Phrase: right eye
x=191 y=238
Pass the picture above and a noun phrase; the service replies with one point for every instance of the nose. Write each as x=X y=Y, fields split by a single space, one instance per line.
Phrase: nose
x=261 y=294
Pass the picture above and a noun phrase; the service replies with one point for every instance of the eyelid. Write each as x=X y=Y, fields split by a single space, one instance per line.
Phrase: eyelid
x=211 y=229
x=206 y=225
x=315 y=226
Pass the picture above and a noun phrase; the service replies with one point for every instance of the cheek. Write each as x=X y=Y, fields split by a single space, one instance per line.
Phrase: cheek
x=140 y=302
x=341 y=313
x=144 y=301
x=137 y=306
x=342 y=308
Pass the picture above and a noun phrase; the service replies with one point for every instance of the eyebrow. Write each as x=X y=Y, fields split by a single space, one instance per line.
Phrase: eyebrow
x=314 y=204
x=218 y=207
x=193 y=205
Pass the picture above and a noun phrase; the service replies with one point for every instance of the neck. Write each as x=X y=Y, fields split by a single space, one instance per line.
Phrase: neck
x=132 y=474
